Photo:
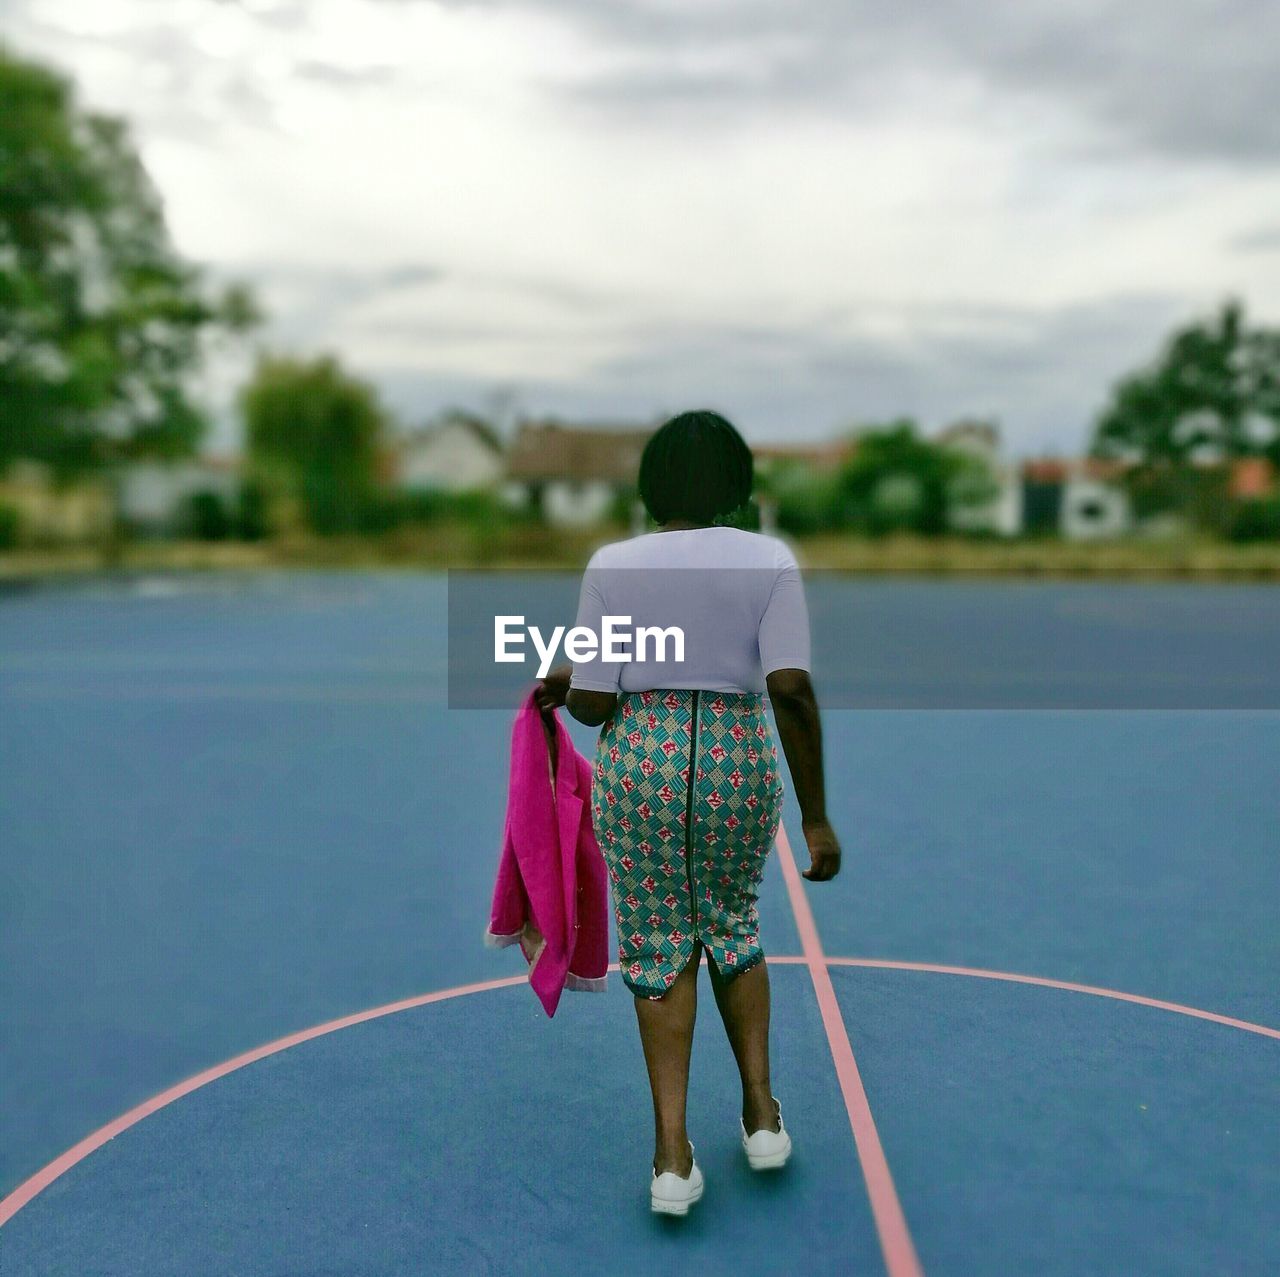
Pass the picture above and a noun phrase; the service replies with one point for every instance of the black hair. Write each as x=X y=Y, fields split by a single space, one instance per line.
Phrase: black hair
x=697 y=467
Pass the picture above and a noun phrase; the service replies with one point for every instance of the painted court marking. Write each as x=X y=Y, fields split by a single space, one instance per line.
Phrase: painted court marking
x=937 y=968
x=891 y=1224
x=814 y=958
x=41 y=1180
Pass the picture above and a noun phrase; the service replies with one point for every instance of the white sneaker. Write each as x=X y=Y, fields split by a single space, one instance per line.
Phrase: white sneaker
x=672 y=1194
x=766 y=1149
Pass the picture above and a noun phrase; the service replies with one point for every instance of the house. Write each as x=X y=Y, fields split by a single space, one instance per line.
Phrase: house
x=1079 y=499
x=459 y=453
x=574 y=475
x=993 y=503
x=152 y=496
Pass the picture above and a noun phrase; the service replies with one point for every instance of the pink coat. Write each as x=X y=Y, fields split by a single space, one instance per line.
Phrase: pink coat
x=552 y=890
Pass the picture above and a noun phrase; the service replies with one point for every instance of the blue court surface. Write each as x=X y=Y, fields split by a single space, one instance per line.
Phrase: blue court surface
x=247 y=1024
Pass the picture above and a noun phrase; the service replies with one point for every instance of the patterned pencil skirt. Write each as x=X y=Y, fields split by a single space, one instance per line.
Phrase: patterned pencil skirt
x=686 y=798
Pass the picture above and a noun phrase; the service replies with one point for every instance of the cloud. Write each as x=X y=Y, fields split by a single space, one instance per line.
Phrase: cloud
x=310 y=304
x=1043 y=374
x=1187 y=80
x=1262 y=239
x=1190 y=80
x=375 y=77
x=811 y=213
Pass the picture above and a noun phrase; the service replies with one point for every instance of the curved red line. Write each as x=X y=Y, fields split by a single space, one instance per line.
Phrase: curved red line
x=37 y=1183
x=938 y=968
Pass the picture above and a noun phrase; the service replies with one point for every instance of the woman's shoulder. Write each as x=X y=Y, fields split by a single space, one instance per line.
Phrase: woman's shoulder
x=617 y=553
x=714 y=545
x=642 y=549
x=763 y=548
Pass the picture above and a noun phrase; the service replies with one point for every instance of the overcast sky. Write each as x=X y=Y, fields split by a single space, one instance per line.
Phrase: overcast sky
x=806 y=213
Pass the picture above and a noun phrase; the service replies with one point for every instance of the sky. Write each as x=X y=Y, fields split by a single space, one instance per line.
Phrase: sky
x=810 y=214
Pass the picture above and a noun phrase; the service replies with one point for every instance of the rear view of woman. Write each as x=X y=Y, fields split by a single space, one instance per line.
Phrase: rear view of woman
x=687 y=789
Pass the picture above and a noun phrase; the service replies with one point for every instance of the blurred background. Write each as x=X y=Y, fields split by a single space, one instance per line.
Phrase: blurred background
x=365 y=280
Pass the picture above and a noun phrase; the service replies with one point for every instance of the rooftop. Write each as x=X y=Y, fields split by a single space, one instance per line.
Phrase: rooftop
x=553 y=450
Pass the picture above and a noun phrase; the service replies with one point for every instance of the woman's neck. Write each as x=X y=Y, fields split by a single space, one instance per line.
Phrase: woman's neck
x=682 y=525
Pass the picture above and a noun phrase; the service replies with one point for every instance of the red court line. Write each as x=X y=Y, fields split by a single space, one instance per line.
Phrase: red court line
x=937 y=968
x=29 y=1188
x=15 y=1201
x=891 y=1224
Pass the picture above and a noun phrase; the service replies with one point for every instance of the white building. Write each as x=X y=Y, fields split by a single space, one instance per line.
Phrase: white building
x=995 y=502
x=458 y=454
x=151 y=495
x=1094 y=509
x=1080 y=498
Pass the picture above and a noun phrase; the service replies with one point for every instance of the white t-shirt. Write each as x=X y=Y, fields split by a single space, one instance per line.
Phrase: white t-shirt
x=737 y=596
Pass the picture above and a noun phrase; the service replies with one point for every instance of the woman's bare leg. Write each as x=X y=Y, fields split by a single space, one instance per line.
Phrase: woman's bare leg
x=666 y=1032
x=743 y=1001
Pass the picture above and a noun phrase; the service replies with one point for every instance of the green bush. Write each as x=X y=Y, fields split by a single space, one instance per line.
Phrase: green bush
x=807 y=502
x=478 y=509
x=379 y=512
x=253 y=517
x=420 y=505
x=9 y=522
x=206 y=517
x=624 y=501
x=338 y=502
x=1196 y=494
x=1257 y=519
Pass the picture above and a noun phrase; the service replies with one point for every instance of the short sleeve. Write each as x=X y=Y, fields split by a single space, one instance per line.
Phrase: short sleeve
x=784 y=627
x=595 y=675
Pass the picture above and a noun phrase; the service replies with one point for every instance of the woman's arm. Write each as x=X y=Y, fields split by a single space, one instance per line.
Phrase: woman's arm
x=589 y=705
x=796 y=709
x=589 y=708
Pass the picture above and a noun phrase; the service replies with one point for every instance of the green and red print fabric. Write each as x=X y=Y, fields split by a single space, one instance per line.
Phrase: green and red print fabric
x=640 y=802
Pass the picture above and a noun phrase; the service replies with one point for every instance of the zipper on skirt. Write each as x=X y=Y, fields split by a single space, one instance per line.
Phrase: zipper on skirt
x=688 y=812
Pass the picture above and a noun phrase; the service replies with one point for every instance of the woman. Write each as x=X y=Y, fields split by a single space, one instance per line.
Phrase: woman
x=686 y=791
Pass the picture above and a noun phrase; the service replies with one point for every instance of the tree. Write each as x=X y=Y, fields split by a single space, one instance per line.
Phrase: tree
x=101 y=322
x=806 y=500
x=1213 y=394
x=317 y=433
x=897 y=480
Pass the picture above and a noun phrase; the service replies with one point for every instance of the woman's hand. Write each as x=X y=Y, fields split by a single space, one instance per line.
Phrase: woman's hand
x=552 y=692
x=591 y=708
x=824 y=850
